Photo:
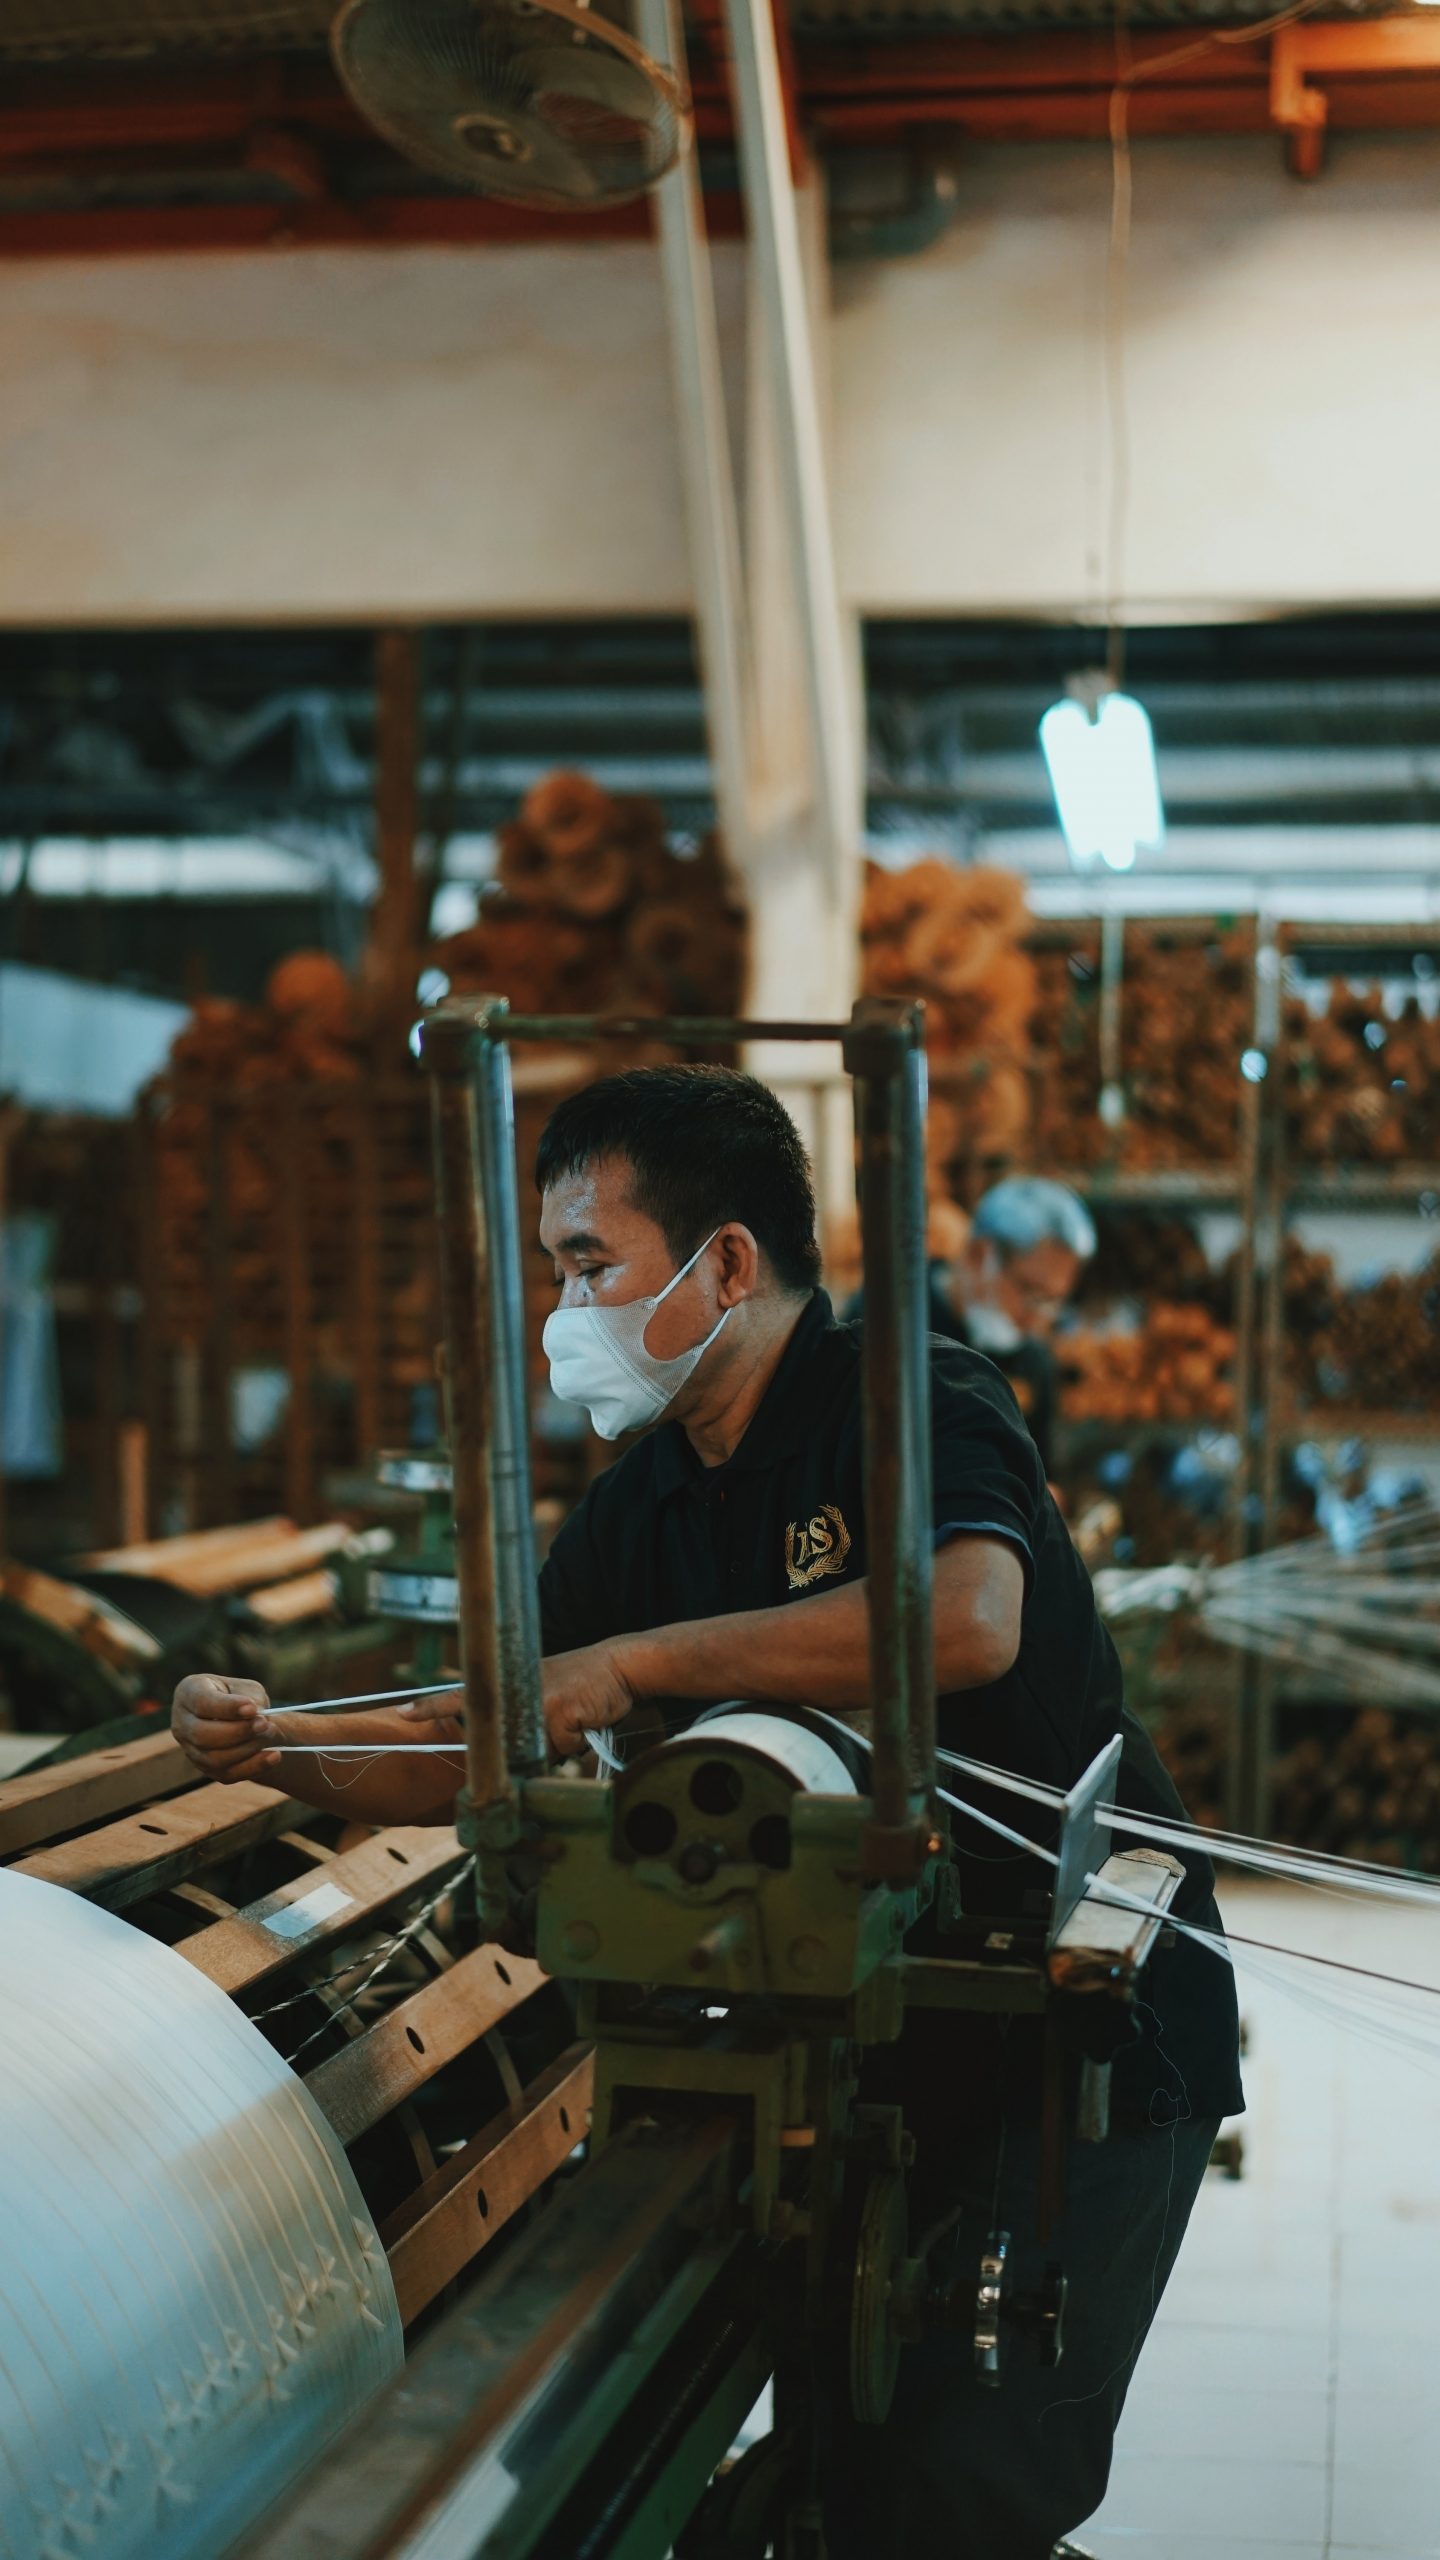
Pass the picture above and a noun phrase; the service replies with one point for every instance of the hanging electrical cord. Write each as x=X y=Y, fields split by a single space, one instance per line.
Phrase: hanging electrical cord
x=1129 y=76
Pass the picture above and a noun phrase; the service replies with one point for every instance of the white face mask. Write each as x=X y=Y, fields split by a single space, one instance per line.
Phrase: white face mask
x=598 y=1358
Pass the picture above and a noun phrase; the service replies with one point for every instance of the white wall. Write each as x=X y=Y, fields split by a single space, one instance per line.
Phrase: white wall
x=439 y=431
x=430 y=431
x=1284 y=387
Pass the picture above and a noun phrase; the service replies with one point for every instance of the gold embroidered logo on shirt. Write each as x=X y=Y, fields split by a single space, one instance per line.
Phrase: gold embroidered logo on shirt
x=816 y=1547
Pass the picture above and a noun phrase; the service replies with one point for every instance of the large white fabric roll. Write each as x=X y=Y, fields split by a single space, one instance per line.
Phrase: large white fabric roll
x=193 y=2298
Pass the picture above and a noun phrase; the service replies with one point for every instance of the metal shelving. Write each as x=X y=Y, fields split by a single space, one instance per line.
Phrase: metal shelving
x=1194 y=1186
x=1266 y=1191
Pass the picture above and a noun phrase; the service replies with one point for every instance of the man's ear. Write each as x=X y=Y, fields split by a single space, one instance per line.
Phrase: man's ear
x=739 y=1264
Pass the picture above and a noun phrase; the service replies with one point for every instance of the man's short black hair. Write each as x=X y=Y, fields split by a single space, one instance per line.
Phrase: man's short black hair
x=704 y=1144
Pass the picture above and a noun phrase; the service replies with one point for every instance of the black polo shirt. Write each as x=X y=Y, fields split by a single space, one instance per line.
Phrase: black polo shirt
x=660 y=1538
x=1031 y=1367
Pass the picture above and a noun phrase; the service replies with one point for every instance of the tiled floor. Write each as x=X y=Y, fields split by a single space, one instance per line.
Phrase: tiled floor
x=1287 y=2406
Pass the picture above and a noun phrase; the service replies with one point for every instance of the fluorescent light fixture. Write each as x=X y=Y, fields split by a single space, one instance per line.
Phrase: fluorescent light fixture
x=1102 y=772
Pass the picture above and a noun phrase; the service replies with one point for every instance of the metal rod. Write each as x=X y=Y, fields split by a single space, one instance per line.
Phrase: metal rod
x=706 y=466
x=470 y=1420
x=888 y=1064
x=789 y=357
x=516 y=1634
x=1112 y=982
x=681 y=1031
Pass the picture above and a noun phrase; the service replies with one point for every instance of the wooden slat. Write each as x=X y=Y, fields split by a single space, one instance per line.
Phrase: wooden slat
x=84 y=1617
x=395 y=2057
x=237 y=1952
x=214 y=1561
x=127 y=1861
x=43 y=1802
x=448 y=2220
x=297 y=1552
x=167 y=1558
x=284 y=1604
x=198 y=1898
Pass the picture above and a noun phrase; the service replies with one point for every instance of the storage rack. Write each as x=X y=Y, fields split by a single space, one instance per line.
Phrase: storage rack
x=195 y=1337
x=1266 y=1190
x=1283 y=1187
x=323 y=1269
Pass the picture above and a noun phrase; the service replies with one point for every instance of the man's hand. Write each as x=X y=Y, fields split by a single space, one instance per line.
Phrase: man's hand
x=585 y=1691
x=223 y=1726
x=445 y=1711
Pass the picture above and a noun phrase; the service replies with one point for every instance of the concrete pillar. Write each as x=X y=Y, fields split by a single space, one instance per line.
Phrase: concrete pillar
x=803 y=886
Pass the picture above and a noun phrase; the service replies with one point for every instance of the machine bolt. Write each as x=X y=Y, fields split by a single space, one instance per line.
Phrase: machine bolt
x=699 y=1860
x=580 y=1941
x=807 y=1955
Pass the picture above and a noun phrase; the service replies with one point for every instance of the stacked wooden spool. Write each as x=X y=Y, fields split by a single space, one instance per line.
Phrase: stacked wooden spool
x=594 y=912
x=224 y=1122
x=292 y=1193
x=1173 y=1367
x=1378 y=1346
x=1193 y=1741
x=1186 y=1021
x=1015 y=1033
x=1145 y=1254
x=1363 y=1787
x=1366 y=1789
x=1065 y=1047
x=1360 y=1086
x=956 y=938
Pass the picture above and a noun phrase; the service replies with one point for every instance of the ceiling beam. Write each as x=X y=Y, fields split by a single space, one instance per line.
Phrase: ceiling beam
x=376 y=222
x=288 y=119
x=1309 y=67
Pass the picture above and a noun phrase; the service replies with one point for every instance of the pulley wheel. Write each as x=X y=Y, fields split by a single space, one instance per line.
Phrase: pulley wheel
x=879 y=2248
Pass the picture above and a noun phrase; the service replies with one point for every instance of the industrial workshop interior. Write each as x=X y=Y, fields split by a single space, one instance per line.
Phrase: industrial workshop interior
x=719 y=1279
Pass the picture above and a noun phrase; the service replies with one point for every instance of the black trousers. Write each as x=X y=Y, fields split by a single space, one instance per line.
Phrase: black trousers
x=964 y=2472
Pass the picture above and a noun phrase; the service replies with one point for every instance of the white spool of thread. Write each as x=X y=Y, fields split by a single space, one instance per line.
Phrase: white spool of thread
x=193 y=2297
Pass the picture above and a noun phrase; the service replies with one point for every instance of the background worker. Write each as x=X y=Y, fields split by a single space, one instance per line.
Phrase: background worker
x=1005 y=1292
x=725 y=1556
x=1005 y=1286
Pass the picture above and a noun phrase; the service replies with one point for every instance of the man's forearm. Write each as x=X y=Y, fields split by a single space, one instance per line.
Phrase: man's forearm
x=393 y=1788
x=815 y=1651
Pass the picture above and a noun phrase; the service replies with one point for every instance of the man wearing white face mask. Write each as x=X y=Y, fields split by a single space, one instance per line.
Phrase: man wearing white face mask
x=1005 y=1292
x=724 y=1556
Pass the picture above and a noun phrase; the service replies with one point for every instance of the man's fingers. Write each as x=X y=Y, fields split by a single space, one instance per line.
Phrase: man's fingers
x=223 y=1726
x=216 y=1734
x=225 y=1766
x=567 y=1739
x=447 y=1708
x=207 y=1697
x=243 y=1747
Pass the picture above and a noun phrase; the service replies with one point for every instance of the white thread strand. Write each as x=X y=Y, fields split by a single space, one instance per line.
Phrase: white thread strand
x=1421 y=2046
x=1313 y=1867
x=367 y=1750
x=367 y=1698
